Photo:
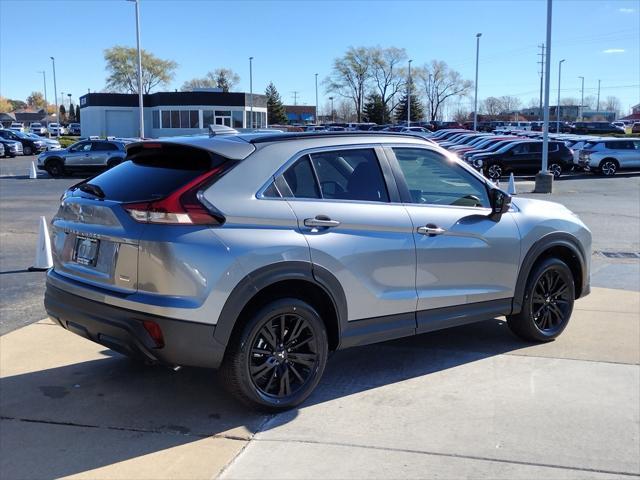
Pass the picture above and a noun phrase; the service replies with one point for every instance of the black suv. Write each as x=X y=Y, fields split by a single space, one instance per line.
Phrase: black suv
x=30 y=146
x=526 y=157
x=595 y=127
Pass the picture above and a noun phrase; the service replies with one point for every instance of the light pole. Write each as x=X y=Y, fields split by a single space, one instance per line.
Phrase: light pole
x=544 y=179
x=409 y=97
x=333 y=118
x=55 y=96
x=558 y=106
x=581 y=98
x=598 y=104
x=317 y=123
x=46 y=102
x=475 y=97
x=251 y=90
x=140 y=99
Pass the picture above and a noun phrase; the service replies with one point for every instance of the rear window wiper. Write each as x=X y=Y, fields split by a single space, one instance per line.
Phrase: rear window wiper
x=92 y=189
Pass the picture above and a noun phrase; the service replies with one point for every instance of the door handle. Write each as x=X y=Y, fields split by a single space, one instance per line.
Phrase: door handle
x=431 y=230
x=321 y=221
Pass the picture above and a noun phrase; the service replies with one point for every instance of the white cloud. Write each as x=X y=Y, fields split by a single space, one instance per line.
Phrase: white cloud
x=613 y=50
x=626 y=10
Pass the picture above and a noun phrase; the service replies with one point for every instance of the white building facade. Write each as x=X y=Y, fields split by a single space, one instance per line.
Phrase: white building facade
x=168 y=114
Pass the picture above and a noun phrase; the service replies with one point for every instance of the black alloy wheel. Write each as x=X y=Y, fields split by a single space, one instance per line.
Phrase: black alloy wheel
x=277 y=357
x=27 y=150
x=54 y=168
x=283 y=355
x=556 y=170
x=494 y=171
x=547 y=303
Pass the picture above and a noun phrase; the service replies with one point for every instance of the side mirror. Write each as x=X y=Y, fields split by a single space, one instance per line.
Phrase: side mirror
x=500 y=203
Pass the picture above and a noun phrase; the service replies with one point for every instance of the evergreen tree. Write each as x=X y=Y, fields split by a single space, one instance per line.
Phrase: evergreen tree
x=275 y=108
x=417 y=111
x=72 y=113
x=375 y=110
x=77 y=113
x=63 y=114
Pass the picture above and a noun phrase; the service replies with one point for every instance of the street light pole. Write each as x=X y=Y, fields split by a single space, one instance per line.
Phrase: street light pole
x=55 y=96
x=409 y=97
x=46 y=102
x=475 y=97
x=544 y=179
x=582 y=98
x=251 y=91
x=140 y=98
x=317 y=123
x=598 y=104
x=558 y=106
x=333 y=119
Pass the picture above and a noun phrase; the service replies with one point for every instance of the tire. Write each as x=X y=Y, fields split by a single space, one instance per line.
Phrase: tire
x=261 y=371
x=114 y=162
x=55 y=168
x=608 y=167
x=556 y=169
x=494 y=171
x=27 y=150
x=547 y=304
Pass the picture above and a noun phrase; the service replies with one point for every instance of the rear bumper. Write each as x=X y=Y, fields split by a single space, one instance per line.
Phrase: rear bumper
x=185 y=343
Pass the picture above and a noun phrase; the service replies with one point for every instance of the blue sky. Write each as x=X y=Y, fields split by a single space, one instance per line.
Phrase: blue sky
x=292 y=40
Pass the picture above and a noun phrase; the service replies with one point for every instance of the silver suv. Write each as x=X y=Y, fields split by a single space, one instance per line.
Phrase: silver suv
x=607 y=156
x=87 y=155
x=260 y=254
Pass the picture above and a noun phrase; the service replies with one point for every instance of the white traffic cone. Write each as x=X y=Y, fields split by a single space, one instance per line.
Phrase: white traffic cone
x=511 y=190
x=44 y=260
x=32 y=171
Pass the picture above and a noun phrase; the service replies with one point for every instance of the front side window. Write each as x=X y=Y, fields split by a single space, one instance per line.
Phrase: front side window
x=350 y=175
x=435 y=180
x=81 y=147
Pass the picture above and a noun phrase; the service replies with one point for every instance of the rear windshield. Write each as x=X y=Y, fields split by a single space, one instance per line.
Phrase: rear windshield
x=154 y=173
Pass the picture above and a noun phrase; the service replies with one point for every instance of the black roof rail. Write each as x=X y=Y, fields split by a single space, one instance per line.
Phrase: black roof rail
x=324 y=134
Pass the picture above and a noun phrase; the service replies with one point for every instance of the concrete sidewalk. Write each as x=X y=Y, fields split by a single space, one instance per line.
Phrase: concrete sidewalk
x=471 y=402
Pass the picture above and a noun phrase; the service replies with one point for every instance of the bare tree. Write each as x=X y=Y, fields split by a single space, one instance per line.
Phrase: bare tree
x=612 y=104
x=568 y=101
x=440 y=83
x=223 y=78
x=491 y=106
x=461 y=115
x=122 y=65
x=590 y=102
x=387 y=76
x=345 y=111
x=349 y=76
x=510 y=103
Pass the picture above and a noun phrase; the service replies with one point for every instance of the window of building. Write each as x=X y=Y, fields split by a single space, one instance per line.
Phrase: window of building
x=237 y=119
x=194 y=119
x=175 y=119
x=166 y=119
x=155 y=119
x=223 y=113
x=207 y=118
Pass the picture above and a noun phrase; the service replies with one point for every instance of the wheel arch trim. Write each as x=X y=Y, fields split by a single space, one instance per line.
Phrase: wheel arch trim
x=269 y=275
x=551 y=240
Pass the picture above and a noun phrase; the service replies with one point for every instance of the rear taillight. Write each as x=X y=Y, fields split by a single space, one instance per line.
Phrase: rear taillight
x=155 y=332
x=181 y=207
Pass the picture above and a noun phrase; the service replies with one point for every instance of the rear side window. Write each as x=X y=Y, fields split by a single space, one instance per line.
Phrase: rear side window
x=301 y=179
x=154 y=173
x=103 y=147
x=625 y=145
x=350 y=175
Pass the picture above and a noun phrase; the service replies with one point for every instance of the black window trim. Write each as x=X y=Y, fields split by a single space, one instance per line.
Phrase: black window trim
x=403 y=187
x=383 y=163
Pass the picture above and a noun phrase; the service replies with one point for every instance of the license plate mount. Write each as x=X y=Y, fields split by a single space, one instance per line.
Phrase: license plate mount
x=86 y=251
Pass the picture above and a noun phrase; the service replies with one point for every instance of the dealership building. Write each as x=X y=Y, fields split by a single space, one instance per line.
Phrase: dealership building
x=168 y=114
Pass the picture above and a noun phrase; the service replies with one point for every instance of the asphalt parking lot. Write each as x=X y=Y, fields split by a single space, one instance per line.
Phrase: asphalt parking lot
x=468 y=402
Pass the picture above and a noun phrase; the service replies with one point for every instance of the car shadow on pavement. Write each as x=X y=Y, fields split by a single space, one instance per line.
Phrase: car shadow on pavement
x=154 y=409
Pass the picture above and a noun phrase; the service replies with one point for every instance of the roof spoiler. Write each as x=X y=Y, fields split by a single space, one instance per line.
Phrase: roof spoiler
x=215 y=130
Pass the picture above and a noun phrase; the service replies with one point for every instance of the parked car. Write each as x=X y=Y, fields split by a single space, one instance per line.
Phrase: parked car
x=595 y=128
x=606 y=157
x=16 y=127
x=446 y=125
x=74 y=129
x=56 y=129
x=11 y=147
x=37 y=128
x=635 y=128
x=30 y=146
x=85 y=156
x=525 y=156
x=1 y=150
x=240 y=257
x=49 y=143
